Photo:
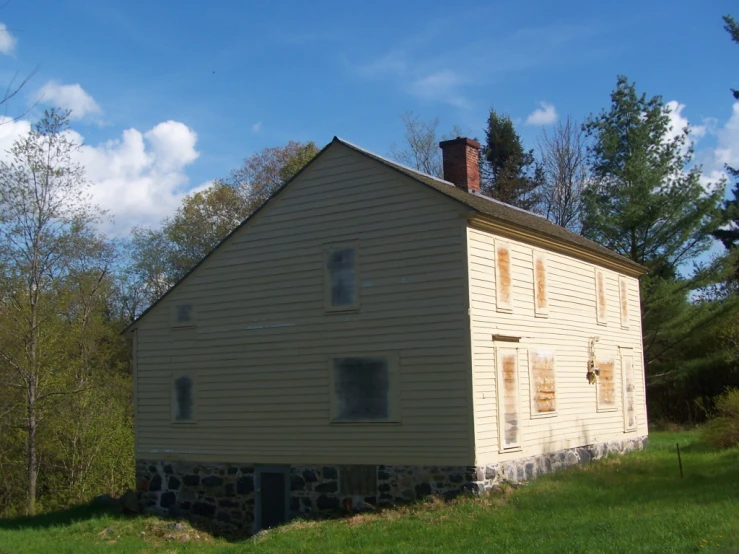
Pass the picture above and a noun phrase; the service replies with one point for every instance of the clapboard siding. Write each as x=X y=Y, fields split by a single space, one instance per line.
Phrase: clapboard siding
x=262 y=342
x=565 y=329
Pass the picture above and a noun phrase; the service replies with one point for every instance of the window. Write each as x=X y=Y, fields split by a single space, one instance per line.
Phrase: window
x=601 y=297
x=606 y=385
x=358 y=480
x=543 y=385
x=503 y=284
x=541 y=297
x=627 y=369
x=509 y=427
x=623 y=293
x=183 y=408
x=363 y=390
x=341 y=278
x=182 y=315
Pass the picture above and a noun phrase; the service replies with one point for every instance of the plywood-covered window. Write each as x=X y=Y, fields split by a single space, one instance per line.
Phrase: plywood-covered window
x=341 y=278
x=364 y=390
x=606 y=385
x=182 y=314
x=541 y=294
x=503 y=280
x=627 y=371
x=601 y=297
x=509 y=420
x=623 y=295
x=183 y=398
x=542 y=381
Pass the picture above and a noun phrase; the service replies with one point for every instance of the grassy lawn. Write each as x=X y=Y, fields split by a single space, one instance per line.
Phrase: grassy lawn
x=636 y=503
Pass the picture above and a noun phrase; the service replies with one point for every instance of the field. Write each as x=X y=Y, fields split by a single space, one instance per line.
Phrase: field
x=635 y=503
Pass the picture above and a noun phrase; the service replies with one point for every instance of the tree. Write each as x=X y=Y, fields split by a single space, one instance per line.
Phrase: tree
x=421 y=149
x=564 y=169
x=509 y=173
x=52 y=265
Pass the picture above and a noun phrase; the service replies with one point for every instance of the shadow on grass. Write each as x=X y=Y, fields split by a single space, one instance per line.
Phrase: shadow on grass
x=54 y=519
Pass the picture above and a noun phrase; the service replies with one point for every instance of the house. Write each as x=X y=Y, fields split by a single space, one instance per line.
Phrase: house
x=372 y=335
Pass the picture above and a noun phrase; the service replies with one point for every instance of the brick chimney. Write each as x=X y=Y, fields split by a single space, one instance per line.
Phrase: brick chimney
x=461 y=157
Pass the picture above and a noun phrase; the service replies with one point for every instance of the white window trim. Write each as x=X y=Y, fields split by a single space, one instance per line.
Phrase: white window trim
x=601 y=320
x=393 y=364
x=183 y=324
x=173 y=400
x=532 y=391
x=623 y=288
x=625 y=353
x=499 y=351
x=604 y=409
x=499 y=304
x=538 y=255
x=327 y=249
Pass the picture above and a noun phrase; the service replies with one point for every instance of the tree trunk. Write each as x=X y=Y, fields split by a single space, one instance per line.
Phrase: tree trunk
x=32 y=457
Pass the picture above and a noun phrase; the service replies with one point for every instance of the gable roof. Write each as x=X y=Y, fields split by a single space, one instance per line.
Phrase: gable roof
x=509 y=216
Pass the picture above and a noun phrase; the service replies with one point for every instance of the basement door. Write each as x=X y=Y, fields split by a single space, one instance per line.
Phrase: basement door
x=272 y=484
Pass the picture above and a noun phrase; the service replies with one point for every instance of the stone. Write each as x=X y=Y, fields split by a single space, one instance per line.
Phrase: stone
x=297 y=483
x=227 y=503
x=212 y=481
x=327 y=502
x=129 y=502
x=167 y=500
x=422 y=489
x=529 y=470
x=327 y=487
x=295 y=504
x=178 y=526
x=229 y=489
x=142 y=485
x=245 y=485
x=191 y=480
x=168 y=470
x=203 y=509
x=225 y=517
x=173 y=483
x=307 y=503
x=383 y=475
x=330 y=473
x=232 y=470
x=584 y=455
x=456 y=477
x=247 y=469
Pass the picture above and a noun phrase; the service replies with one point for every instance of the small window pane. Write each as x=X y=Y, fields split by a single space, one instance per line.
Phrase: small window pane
x=341 y=266
x=184 y=312
x=183 y=399
x=362 y=387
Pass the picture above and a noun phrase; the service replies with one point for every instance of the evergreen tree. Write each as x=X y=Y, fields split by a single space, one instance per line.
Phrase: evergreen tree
x=509 y=172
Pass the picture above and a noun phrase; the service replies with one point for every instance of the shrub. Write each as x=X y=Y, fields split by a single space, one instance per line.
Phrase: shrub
x=722 y=431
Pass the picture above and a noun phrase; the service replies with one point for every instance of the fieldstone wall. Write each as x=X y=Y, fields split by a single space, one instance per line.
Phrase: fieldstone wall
x=223 y=494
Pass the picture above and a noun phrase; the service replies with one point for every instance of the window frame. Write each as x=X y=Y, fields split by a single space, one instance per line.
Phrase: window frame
x=174 y=376
x=538 y=255
x=623 y=301
x=325 y=253
x=601 y=319
x=174 y=323
x=602 y=408
x=500 y=306
x=532 y=391
x=628 y=353
x=500 y=351
x=393 y=365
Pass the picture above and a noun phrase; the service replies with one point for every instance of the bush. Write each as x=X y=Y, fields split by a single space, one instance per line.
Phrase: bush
x=722 y=431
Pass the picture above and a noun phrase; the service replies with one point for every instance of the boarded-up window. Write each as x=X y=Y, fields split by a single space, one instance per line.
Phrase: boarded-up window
x=182 y=315
x=627 y=367
x=541 y=298
x=182 y=399
x=606 y=384
x=504 y=284
x=623 y=293
x=543 y=386
x=509 y=422
x=358 y=480
x=341 y=271
x=361 y=389
x=601 y=297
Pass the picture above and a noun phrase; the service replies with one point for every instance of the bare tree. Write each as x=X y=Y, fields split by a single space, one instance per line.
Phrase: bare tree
x=564 y=166
x=421 y=149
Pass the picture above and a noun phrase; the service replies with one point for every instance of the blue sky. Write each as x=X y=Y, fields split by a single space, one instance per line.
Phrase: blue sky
x=168 y=96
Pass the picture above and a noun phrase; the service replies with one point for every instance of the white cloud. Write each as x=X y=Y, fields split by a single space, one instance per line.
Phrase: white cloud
x=546 y=115
x=256 y=127
x=441 y=86
x=7 y=40
x=69 y=97
x=678 y=123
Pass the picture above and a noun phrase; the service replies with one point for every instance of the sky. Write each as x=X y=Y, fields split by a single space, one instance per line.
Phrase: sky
x=168 y=96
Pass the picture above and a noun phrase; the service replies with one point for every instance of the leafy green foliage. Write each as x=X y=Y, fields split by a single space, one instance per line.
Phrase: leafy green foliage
x=509 y=173
x=722 y=431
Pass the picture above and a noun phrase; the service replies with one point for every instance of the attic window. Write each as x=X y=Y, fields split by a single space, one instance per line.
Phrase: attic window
x=504 y=284
x=601 y=297
x=541 y=295
x=341 y=278
x=183 y=315
x=362 y=390
x=182 y=400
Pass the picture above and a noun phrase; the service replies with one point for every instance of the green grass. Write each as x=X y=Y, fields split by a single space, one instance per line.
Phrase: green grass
x=635 y=503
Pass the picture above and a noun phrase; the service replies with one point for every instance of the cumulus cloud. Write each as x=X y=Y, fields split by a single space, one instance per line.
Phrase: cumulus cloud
x=7 y=40
x=69 y=97
x=546 y=115
x=678 y=123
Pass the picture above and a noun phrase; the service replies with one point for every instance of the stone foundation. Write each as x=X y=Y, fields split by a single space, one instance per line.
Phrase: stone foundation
x=224 y=495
